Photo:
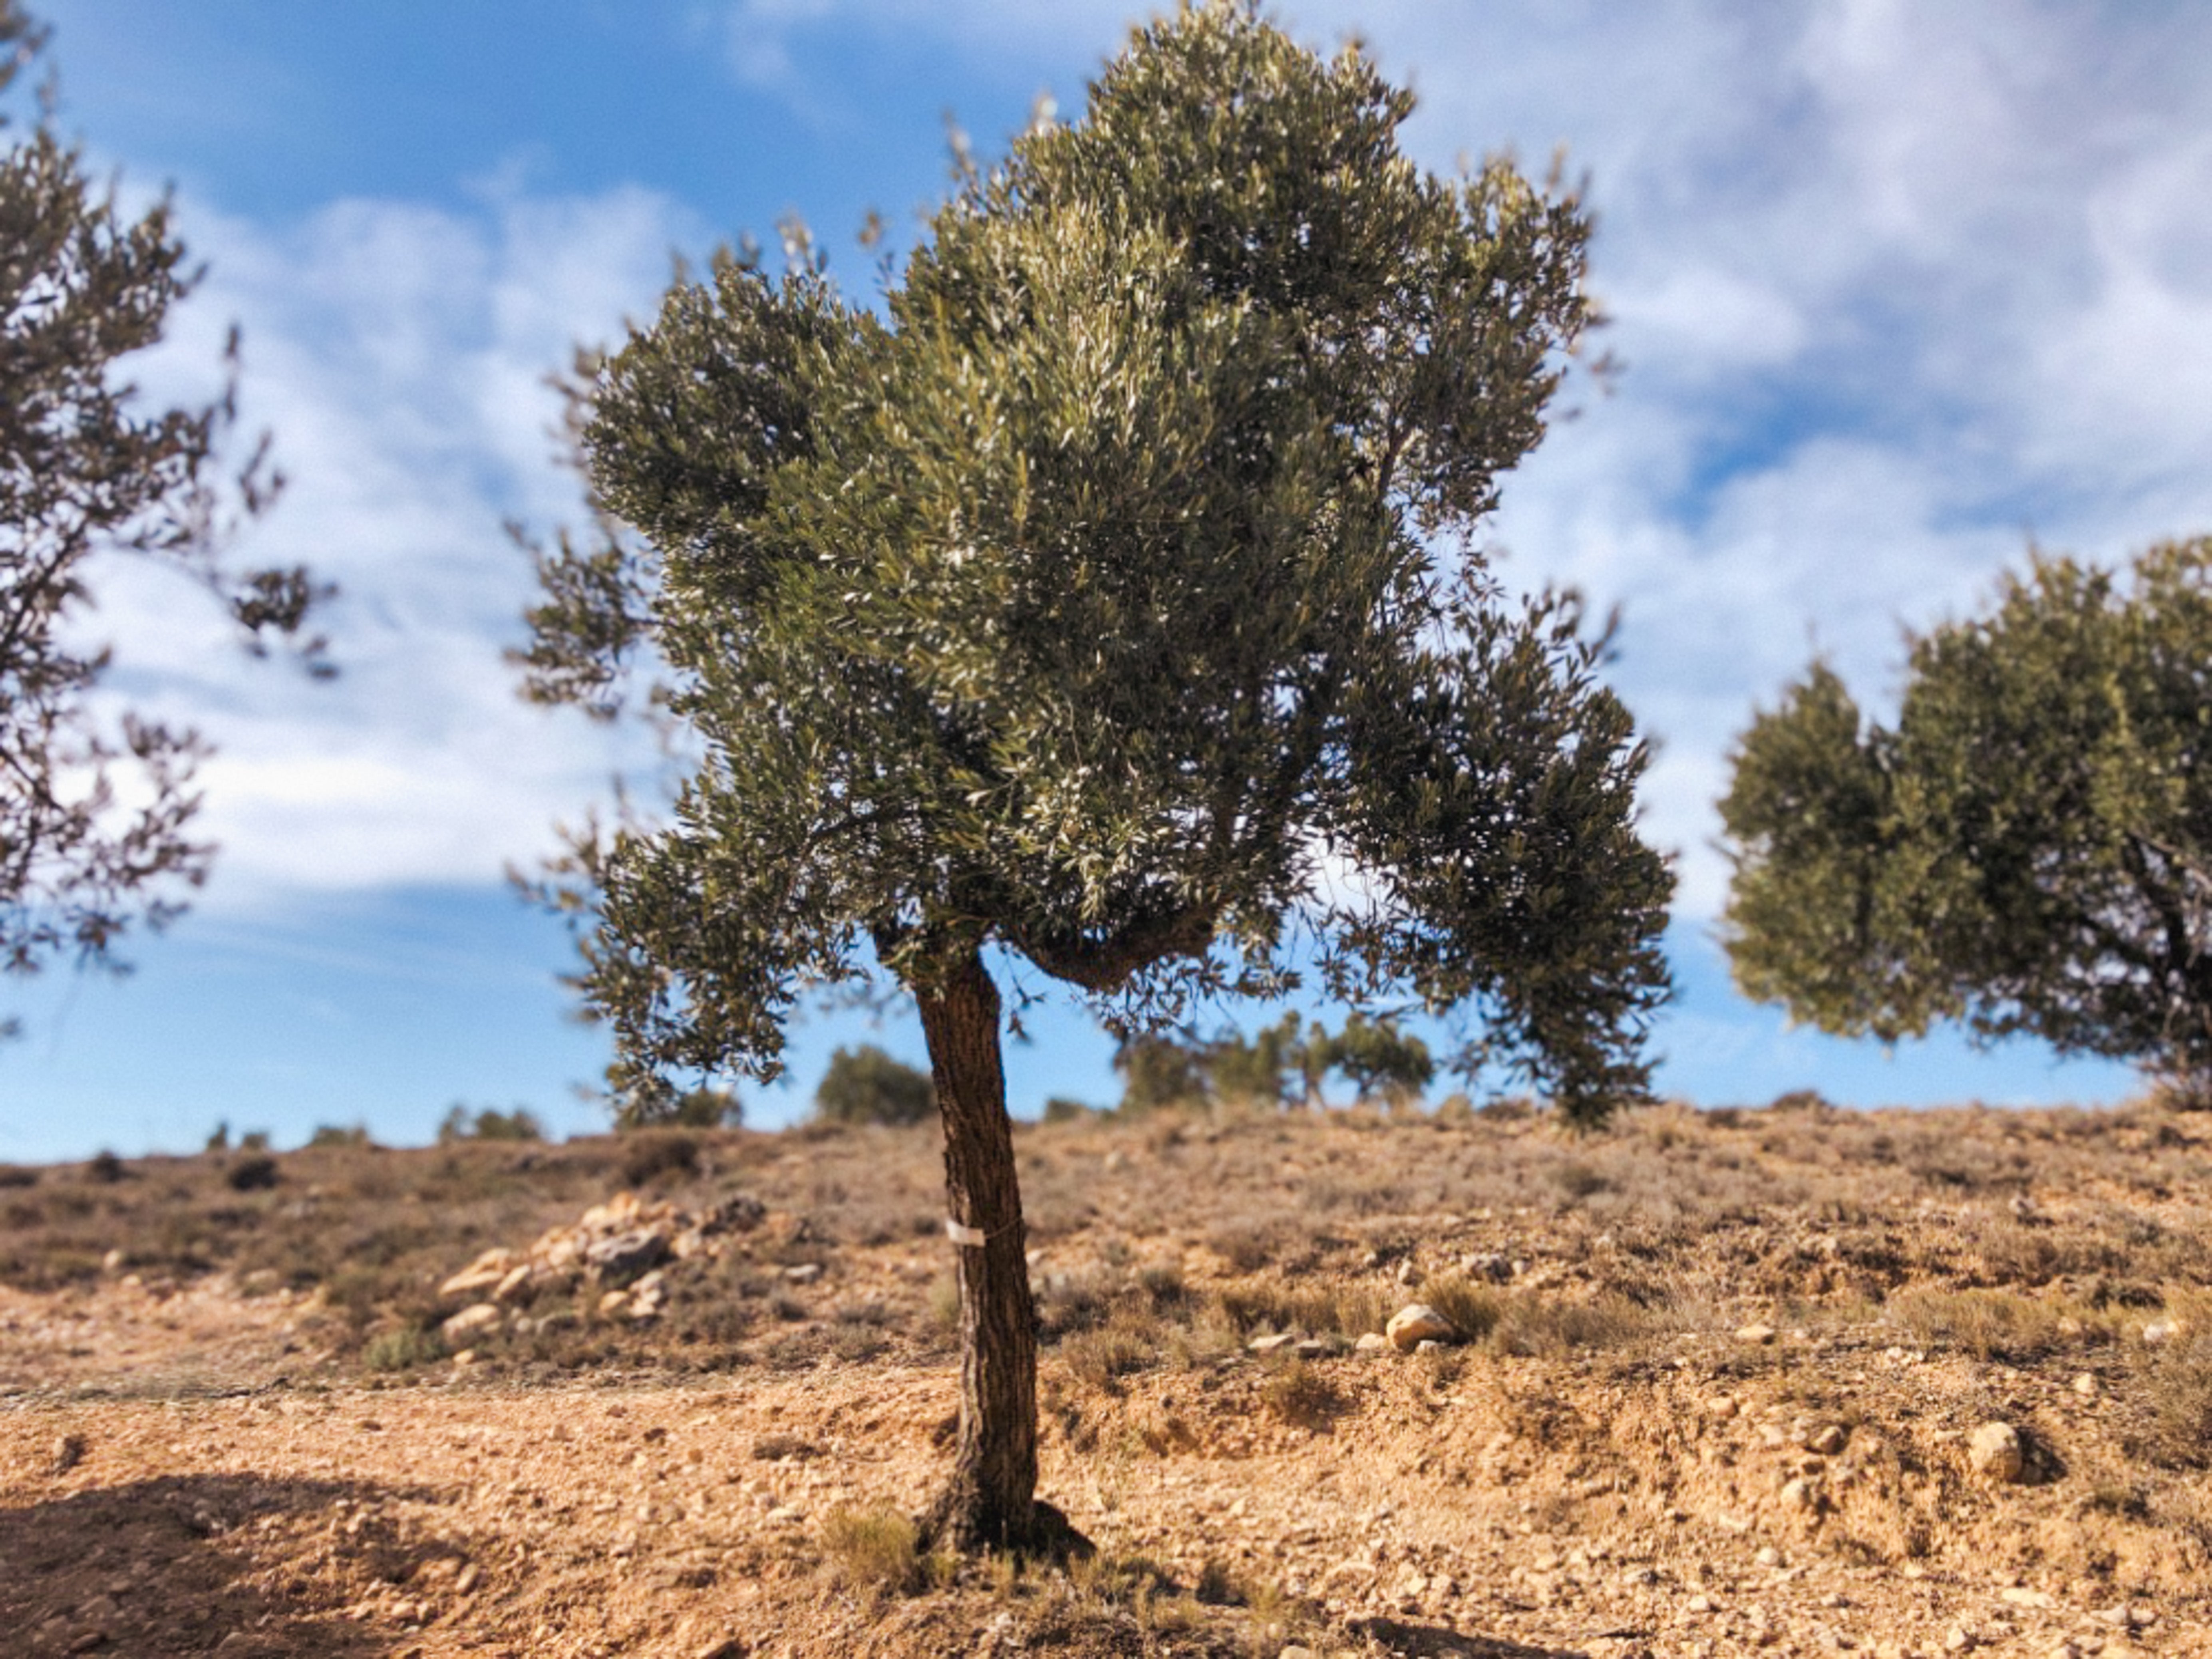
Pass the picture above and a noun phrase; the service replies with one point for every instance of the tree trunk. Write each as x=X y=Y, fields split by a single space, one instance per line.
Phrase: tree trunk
x=990 y=1502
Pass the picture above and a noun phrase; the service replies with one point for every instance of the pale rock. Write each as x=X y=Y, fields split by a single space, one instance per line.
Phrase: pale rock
x=1416 y=1323
x=516 y=1277
x=1372 y=1342
x=1428 y=1345
x=484 y=1272
x=69 y=1452
x=2019 y=1596
x=2160 y=1332
x=1273 y=1344
x=804 y=1273
x=1828 y=1439
x=1492 y=1266
x=1995 y=1450
x=1312 y=1348
x=2084 y=1385
x=1408 y=1275
x=480 y=1316
x=112 y=1262
x=471 y=1576
x=1799 y=1493
x=1958 y=1638
x=613 y=1301
x=1759 y=1336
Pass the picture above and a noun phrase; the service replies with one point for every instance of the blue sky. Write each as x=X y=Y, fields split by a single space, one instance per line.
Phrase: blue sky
x=1897 y=287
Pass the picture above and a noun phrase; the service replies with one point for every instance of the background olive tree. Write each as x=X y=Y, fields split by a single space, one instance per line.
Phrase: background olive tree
x=96 y=813
x=2029 y=849
x=1106 y=608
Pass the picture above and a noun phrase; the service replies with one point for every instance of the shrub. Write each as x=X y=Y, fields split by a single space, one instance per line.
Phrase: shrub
x=653 y=1153
x=1060 y=1109
x=403 y=1349
x=334 y=1136
x=520 y=1124
x=866 y=1086
x=705 y=1108
x=250 y=1175
x=105 y=1168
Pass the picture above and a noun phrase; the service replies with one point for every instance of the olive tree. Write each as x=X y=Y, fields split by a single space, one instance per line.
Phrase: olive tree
x=1106 y=608
x=2029 y=849
x=96 y=812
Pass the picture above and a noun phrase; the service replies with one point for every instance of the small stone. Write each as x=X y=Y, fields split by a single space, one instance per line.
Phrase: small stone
x=1760 y=1335
x=2019 y=1596
x=629 y=1253
x=1416 y=1323
x=804 y=1272
x=1702 y=1603
x=112 y=1262
x=465 y=1358
x=1296 y=1651
x=614 y=1302
x=2084 y=1385
x=481 y=1316
x=1800 y=1493
x=1408 y=1275
x=515 y=1280
x=1372 y=1342
x=1273 y=1344
x=1494 y=1267
x=69 y=1452
x=1312 y=1348
x=1995 y=1450
x=471 y=1576
x=1428 y=1345
x=1769 y=1556
x=721 y=1647
x=1828 y=1439
x=1958 y=1638
x=2160 y=1332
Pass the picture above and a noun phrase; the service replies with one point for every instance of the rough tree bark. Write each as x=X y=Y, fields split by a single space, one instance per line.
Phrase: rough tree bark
x=989 y=1503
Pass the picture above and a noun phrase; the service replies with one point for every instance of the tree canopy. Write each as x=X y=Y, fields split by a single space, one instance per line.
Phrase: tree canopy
x=96 y=814
x=2029 y=849
x=1109 y=595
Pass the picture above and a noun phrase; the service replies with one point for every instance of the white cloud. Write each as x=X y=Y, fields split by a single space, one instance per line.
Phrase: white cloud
x=398 y=352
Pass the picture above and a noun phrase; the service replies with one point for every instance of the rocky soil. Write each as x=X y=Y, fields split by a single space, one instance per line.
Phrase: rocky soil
x=1793 y=1381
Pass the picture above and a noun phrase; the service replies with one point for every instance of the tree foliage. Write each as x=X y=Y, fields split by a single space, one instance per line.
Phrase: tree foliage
x=867 y=1085
x=95 y=813
x=2029 y=849
x=1090 y=600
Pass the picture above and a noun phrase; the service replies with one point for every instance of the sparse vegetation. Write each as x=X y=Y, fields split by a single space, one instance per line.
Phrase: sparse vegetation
x=487 y=1123
x=867 y=1085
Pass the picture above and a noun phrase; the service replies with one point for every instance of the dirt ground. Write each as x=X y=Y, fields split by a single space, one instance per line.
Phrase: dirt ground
x=1718 y=1386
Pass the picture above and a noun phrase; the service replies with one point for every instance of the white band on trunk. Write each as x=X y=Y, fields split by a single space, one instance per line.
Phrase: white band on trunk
x=960 y=1235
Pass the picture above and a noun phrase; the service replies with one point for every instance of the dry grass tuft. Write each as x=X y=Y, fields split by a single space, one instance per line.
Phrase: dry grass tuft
x=1301 y=1396
x=1998 y=1324
x=876 y=1553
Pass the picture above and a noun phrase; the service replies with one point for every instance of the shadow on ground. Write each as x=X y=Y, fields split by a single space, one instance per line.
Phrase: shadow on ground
x=168 y=1567
x=1409 y=1641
